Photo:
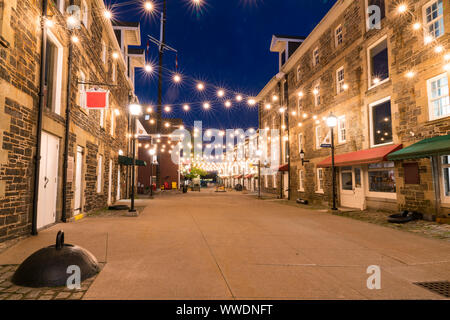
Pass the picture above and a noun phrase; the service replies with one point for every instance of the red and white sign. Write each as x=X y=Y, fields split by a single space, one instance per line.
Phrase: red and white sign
x=97 y=99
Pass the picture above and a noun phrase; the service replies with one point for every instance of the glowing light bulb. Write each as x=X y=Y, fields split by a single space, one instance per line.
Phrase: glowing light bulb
x=148 y=68
x=274 y=98
x=402 y=8
x=186 y=107
x=447 y=57
x=167 y=109
x=75 y=39
x=438 y=49
x=149 y=110
x=200 y=86
x=376 y=80
x=107 y=14
x=227 y=104
x=417 y=26
x=300 y=94
x=251 y=102
x=167 y=124
x=148 y=6
x=206 y=106
x=220 y=93
x=115 y=55
x=345 y=86
x=428 y=39
x=177 y=78
x=239 y=98
x=410 y=74
x=49 y=23
x=71 y=20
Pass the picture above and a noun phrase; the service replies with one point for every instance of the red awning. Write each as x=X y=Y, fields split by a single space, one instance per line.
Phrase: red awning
x=238 y=176
x=373 y=155
x=284 y=167
x=248 y=176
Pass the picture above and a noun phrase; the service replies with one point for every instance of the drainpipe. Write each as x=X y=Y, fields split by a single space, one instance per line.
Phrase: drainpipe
x=281 y=137
x=67 y=133
x=39 y=119
x=437 y=188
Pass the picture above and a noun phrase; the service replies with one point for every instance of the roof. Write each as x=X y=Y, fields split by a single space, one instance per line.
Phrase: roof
x=367 y=156
x=428 y=147
x=290 y=37
x=137 y=51
x=277 y=42
x=125 y=24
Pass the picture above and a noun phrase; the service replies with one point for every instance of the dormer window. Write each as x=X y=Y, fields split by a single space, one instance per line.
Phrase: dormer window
x=283 y=58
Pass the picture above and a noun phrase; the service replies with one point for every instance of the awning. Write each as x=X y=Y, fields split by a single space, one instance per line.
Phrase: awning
x=284 y=167
x=433 y=146
x=248 y=176
x=238 y=176
x=373 y=155
x=129 y=161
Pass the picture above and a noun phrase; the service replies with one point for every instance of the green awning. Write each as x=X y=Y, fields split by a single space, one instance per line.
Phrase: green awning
x=433 y=146
x=129 y=161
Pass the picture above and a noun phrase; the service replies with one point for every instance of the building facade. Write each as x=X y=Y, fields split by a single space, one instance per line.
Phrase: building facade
x=382 y=69
x=78 y=160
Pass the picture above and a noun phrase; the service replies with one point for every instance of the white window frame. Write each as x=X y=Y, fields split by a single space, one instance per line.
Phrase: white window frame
x=113 y=118
x=300 y=142
x=102 y=118
x=342 y=129
x=266 y=181
x=371 y=105
x=340 y=82
x=319 y=173
x=56 y=108
x=319 y=137
x=299 y=106
x=316 y=56
x=430 y=99
x=337 y=43
x=104 y=51
x=100 y=174
x=444 y=198
x=317 y=96
x=371 y=85
x=60 y=5
x=113 y=75
x=82 y=90
x=85 y=13
x=298 y=73
x=274 y=180
x=385 y=195
x=427 y=24
x=301 y=180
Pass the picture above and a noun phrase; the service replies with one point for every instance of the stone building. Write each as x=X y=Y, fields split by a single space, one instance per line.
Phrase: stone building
x=79 y=169
x=381 y=67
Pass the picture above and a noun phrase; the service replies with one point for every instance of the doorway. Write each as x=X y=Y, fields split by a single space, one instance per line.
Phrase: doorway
x=352 y=191
x=286 y=184
x=48 y=180
x=110 y=182
x=78 y=182
x=118 y=183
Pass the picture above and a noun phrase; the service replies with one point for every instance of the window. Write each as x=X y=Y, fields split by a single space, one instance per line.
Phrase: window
x=82 y=90
x=319 y=180
x=316 y=57
x=99 y=174
x=60 y=5
x=300 y=142
x=113 y=73
x=53 y=74
x=283 y=58
x=433 y=15
x=286 y=151
x=347 y=178
x=338 y=36
x=342 y=131
x=85 y=13
x=340 y=80
x=378 y=63
x=446 y=177
x=438 y=97
x=301 y=180
x=318 y=137
x=381 y=177
x=104 y=50
x=298 y=73
x=299 y=106
x=274 y=180
x=381 y=124
x=266 y=181
x=113 y=118
x=316 y=92
x=102 y=118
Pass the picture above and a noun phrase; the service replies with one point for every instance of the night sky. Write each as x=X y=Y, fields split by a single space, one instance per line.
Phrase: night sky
x=224 y=43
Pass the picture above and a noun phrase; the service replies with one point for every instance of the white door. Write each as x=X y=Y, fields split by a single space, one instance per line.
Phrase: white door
x=48 y=180
x=352 y=191
x=78 y=182
x=110 y=182
x=118 y=183
x=286 y=184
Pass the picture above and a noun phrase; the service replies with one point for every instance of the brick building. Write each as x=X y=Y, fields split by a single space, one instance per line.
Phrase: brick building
x=387 y=84
x=163 y=144
x=86 y=142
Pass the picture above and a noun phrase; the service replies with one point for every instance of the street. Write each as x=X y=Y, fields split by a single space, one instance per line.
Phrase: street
x=211 y=245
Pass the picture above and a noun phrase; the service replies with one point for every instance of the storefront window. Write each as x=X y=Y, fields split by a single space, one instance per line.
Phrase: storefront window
x=347 y=179
x=446 y=174
x=381 y=123
x=382 y=177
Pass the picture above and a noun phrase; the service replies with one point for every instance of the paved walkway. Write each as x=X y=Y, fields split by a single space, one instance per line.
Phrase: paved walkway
x=228 y=246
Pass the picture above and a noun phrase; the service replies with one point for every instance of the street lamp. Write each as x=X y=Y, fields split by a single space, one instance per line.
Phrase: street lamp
x=152 y=152
x=259 y=154
x=135 y=110
x=332 y=123
x=302 y=157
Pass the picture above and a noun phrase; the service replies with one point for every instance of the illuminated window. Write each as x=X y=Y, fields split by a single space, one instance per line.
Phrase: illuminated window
x=381 y=177
x=340 y=80
x=433 y=15
x=381 y=124
x=438 y=97
x=378 y=63
x=338 y=36
x=342 y=130
x=99 y=174
x=319 y=180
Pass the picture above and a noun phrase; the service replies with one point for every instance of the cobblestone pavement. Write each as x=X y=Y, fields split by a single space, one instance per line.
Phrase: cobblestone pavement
x=9 y=291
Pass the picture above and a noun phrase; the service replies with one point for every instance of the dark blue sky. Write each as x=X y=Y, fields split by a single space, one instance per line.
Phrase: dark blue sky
x=226 y=44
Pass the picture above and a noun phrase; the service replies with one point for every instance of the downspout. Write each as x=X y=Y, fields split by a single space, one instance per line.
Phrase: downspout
x=39 y=119
x=286 y=95
x=281 y=137
x=67 y=133
x=127 y=187
x=437 y=188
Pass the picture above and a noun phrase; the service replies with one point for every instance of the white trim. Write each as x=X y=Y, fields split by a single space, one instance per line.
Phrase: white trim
x=373 y=194
x=336 y=43
x=441 y=166
x=430 y=106
x=371 y=105
x=274 y=181
x=318 y=189
x=340 y=140
x=371 y=85
x=316 y=58
x=301 y=180
x=59 y=70
x=317 y=99
x=100 y=174
x=300 y=142
x=318 y=138
x=340 y=84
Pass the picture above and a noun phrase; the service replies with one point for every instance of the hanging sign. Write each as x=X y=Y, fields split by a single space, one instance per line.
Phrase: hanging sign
x=97 y=99
x=326 y=143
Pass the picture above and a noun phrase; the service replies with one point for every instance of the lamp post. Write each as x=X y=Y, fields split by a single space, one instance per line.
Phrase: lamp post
x=302 y=157
x=135 y=110
x=259 y=154
x=331 y=123
x=152 y=152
